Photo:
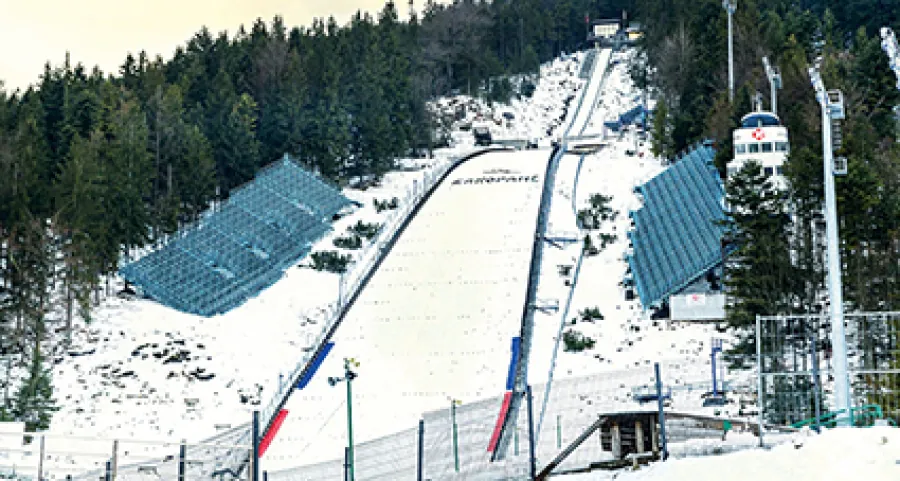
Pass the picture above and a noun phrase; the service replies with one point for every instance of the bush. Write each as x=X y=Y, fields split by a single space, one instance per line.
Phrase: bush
x=368 y=231
x=527 y=88
x=330 y=261
x=591 y=314
x=576 y=342
x=383 y=205
x=589 y=248
x=349 y=242
x=501 y=90
x=587 y=219
x=606 y=239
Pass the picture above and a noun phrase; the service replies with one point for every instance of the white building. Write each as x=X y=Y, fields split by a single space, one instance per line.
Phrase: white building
x=762 y=138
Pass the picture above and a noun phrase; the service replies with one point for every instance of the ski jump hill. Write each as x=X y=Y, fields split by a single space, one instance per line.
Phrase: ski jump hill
x=445 y=315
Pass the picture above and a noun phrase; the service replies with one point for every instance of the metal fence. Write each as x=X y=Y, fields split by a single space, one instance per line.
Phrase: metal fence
x=573 y=405
x=795 y=384
x=47 y=456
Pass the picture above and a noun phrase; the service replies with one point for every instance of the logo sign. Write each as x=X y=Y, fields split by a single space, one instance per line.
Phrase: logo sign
x=497 y=176
x=696 y=300
x=758 y=134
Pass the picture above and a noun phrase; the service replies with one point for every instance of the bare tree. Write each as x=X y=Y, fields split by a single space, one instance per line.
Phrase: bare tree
x=674 y=63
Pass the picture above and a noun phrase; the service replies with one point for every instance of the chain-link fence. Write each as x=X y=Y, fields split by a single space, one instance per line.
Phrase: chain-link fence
x=46 y=456
x=573 y=406
x=796 y=375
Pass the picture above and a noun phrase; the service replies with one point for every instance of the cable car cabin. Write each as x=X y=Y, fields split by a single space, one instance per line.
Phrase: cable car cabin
x=762 y=138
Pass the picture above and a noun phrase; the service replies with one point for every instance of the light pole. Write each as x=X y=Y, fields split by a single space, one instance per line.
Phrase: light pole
x=349 y=376
x=774 y=82
x=730 y=6
x=453 y=404
x=832 y=103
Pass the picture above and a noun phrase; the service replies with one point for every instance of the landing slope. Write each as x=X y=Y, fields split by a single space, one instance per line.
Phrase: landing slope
x=436 y=320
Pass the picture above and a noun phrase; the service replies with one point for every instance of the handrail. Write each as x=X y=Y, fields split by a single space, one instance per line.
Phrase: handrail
x=521 y=375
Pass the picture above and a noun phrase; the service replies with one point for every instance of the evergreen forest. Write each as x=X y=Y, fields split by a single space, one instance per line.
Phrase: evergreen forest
x=96 y=163
x=779 y=267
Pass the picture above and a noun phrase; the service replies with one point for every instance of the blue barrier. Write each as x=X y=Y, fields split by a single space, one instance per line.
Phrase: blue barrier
x=514 y=358
x=314 y=366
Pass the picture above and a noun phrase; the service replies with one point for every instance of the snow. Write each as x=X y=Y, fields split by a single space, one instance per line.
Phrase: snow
x=435 y=322
x=892 y=50
x=139 y=370
x=872 y=454
x=436 y=319
x=626 y=337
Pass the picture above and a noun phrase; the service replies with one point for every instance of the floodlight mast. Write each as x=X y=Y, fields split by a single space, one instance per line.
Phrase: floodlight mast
x=833 y=110
x=774 y=82
x=730 y=6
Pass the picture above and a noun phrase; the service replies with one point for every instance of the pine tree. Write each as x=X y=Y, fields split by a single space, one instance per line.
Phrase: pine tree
x=194 y=182
x=34 y=403
x=127 y=174
x=660 y=144
x=241 y=157
x=759 y=275
x=79 y=222
x=165 y=121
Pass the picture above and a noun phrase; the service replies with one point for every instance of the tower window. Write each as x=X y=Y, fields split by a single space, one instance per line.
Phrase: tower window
x=766 y=147
x=740 y=148
x=781 y=146
x=769 y=171
x=753 y=148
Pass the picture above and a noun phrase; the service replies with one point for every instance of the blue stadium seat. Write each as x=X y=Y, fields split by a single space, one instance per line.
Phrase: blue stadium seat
x=677 y=231
x=235 y=252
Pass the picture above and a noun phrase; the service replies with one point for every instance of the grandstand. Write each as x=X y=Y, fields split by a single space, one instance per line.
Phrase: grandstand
x=244 y=246
x=677 y=232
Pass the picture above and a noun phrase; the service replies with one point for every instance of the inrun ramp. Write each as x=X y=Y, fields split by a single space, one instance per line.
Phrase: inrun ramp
x=678 y=231
x=435 y=322
x=237 y=251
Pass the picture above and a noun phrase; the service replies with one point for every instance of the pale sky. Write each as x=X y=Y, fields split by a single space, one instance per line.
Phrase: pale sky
x=102 y=32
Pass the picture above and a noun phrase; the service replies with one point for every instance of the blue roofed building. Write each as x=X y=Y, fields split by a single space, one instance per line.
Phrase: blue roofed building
x=676 y=239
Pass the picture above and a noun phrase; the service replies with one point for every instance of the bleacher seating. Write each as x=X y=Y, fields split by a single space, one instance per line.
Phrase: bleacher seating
x=233 y=253
x=678 y=230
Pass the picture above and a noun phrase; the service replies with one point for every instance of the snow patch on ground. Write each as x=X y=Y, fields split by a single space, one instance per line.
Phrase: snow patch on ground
x=872 y=454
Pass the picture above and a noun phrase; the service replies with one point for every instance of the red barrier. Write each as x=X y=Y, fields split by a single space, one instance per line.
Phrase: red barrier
x=498 y=428
x=270 y=436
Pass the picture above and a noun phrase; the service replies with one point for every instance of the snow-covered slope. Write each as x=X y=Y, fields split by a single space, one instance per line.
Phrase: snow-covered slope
x=436 y=319
x=626 y=338
x=139 y=370
x=872 y=454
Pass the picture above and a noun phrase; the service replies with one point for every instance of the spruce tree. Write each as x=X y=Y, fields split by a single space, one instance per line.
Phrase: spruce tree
x=241 y=156
x=759 y=274
x=127 y=175
x=79 y=222
x=34 y=404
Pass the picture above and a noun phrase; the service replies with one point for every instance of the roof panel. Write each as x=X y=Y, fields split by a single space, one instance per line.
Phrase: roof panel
x=676 y=237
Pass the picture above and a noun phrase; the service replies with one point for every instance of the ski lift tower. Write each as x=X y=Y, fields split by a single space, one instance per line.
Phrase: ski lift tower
x=832 y=103
x=730 y=6
x=774 y=82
